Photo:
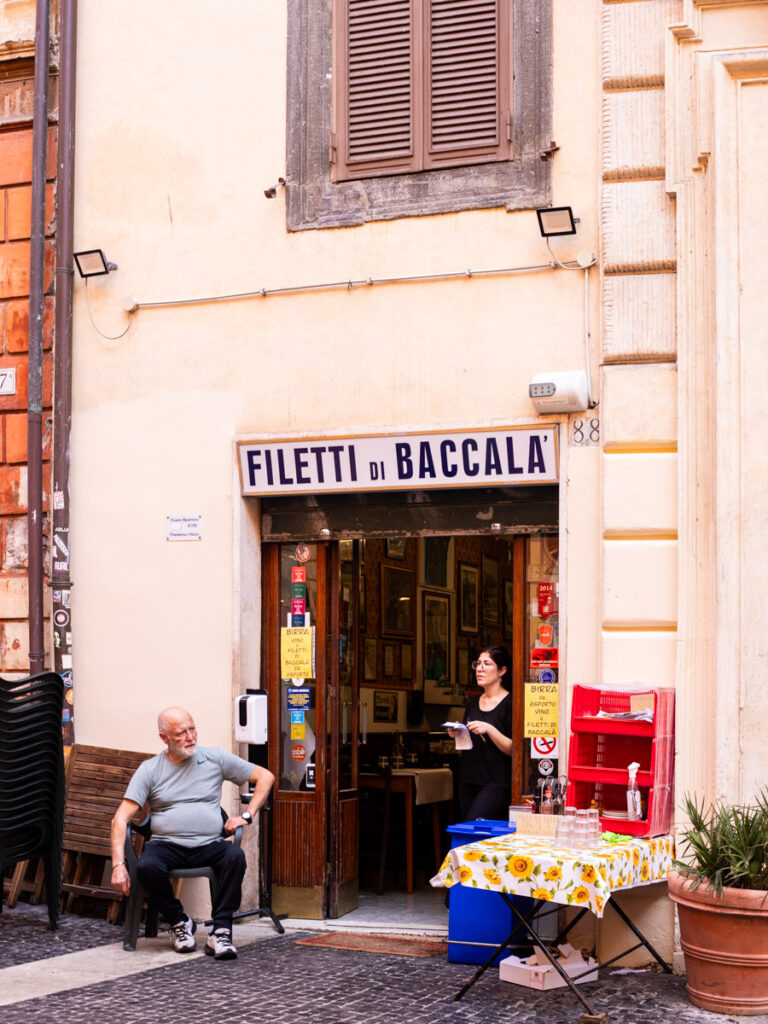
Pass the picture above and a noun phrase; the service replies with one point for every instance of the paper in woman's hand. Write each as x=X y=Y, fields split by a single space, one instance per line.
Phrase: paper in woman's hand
x=462 y=737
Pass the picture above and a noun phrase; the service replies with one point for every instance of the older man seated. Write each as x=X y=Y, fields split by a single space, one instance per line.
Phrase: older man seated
x=182 y=786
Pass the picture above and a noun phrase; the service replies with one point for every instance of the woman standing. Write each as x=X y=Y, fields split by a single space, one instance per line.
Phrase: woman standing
x=486 y=770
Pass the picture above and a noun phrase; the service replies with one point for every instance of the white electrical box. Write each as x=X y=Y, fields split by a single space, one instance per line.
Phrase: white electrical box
x=251 y=719
x=564 y=391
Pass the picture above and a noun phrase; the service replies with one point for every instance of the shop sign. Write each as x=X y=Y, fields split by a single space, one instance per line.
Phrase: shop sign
x=298 y=698
x=298 y=730
x=542 y=657
x=387 y=462
x=546 y=632
x=298 y=753
x=546 y=599
x=541 y=709
x=546 y=767
x=297 y=652
x=543 y=746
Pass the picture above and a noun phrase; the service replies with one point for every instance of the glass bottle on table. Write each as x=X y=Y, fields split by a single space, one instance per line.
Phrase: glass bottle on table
x=547 y=804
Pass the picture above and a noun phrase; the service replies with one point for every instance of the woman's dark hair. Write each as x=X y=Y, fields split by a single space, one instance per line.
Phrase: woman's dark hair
x=503 y=660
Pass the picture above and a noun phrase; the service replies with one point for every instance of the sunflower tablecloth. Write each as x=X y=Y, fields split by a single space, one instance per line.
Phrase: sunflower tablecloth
x=524 y=865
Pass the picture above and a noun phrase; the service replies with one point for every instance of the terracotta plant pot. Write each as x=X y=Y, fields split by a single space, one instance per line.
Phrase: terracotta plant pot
x=725 y=942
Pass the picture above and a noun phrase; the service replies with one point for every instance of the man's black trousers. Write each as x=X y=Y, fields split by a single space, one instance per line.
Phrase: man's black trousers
x=227 y=860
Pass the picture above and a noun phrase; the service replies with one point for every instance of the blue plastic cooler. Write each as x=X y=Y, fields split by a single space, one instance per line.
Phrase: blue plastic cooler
x=479 y=916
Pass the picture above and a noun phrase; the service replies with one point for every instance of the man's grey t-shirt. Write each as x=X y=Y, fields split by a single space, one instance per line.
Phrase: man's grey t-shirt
x=185 y=798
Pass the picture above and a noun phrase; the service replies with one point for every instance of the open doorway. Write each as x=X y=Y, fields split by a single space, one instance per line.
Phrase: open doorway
x=394 y=620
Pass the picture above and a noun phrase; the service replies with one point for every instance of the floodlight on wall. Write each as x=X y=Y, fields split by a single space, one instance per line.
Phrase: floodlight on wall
x=271 y=192
x=564 y=391
x=93 y=263
x=557 y=220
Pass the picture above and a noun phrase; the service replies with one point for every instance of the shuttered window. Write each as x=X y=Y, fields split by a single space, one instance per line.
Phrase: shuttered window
x=420 y=85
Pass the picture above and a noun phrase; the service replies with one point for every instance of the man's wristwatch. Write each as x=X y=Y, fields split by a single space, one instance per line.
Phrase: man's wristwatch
x=247 y=817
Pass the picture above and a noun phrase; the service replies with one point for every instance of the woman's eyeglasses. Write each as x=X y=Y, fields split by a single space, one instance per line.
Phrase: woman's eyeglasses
x=483 y=664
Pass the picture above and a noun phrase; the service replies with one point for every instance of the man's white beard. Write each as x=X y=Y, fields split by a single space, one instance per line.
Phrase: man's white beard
x=183 y=752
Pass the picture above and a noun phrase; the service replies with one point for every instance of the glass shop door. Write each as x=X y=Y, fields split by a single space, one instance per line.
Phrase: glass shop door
x=309 y=671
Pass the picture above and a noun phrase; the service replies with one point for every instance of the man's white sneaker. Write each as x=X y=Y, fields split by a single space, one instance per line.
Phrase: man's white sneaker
x=183 y=935
x=219 y=945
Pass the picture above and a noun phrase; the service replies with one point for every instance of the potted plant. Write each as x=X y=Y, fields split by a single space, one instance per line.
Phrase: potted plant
x=721 y=892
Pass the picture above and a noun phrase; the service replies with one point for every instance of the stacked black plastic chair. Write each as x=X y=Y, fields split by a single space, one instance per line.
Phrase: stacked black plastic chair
x=32 y=778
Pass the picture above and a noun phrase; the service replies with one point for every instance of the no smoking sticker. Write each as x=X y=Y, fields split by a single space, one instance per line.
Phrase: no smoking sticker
x=544 y=746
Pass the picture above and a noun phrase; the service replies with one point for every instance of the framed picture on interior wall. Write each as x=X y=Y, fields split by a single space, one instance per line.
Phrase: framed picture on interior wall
x=396 y=601
x=436 y=561
x=490 y=591
x=406 y=662
x=436 y=645
x=395 y=549
x=369 y=659
x=509 y=589
x=468 y=587
x=389 y=659
x=385 y=706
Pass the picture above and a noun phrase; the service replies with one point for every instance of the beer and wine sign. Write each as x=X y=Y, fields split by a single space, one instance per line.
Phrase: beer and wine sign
x=297 y=656
x=542 y=701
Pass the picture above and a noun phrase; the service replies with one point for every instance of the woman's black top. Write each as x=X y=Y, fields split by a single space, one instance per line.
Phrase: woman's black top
x=485 y=764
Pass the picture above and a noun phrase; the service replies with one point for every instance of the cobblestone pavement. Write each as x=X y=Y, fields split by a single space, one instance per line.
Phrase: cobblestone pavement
x=276 y=981
x=24 y=934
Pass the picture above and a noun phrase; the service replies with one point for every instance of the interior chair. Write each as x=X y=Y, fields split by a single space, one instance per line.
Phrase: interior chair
x=134 y=835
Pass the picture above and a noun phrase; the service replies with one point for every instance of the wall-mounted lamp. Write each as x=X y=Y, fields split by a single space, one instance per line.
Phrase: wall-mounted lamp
x=271 y=192
x=557 y=220
x=564 y=391
x=93 y=262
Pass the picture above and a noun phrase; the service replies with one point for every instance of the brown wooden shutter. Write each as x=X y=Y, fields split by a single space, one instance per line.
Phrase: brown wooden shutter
x=420 y=84
x=376 y=105
x=468 y=97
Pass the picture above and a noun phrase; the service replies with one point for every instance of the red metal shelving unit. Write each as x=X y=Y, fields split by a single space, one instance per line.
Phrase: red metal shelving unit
x=602 y=746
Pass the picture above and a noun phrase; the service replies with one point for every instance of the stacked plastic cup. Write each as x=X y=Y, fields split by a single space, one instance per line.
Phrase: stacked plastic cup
x=564 y=830
x=581 y=833
x=594 y=826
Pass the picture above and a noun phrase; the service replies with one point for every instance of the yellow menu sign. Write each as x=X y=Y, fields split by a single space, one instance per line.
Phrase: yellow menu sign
x=541 y=709
x=296 y=652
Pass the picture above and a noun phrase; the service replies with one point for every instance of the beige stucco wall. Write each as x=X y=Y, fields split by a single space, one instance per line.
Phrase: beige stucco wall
x=176 y=142
x=173 y=158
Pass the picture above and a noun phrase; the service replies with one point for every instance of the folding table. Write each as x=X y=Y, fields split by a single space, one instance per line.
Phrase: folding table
x=586 y=879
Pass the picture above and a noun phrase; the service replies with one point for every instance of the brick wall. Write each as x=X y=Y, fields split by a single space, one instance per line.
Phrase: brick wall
x=15 y=198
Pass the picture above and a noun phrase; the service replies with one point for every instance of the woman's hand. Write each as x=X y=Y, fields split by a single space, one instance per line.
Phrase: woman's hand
x=488 y=731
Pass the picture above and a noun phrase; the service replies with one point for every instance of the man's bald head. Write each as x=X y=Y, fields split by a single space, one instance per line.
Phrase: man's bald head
x=178 y=732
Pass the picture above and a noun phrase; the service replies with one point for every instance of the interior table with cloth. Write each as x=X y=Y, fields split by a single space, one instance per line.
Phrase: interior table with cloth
x=419 y=786
x=585 y=879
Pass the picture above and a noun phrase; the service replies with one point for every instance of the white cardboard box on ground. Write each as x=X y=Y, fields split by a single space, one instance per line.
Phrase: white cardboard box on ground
x=537 y=972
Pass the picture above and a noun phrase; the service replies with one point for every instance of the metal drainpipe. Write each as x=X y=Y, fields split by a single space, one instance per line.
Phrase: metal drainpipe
x=35 y=364
x=62 y=357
